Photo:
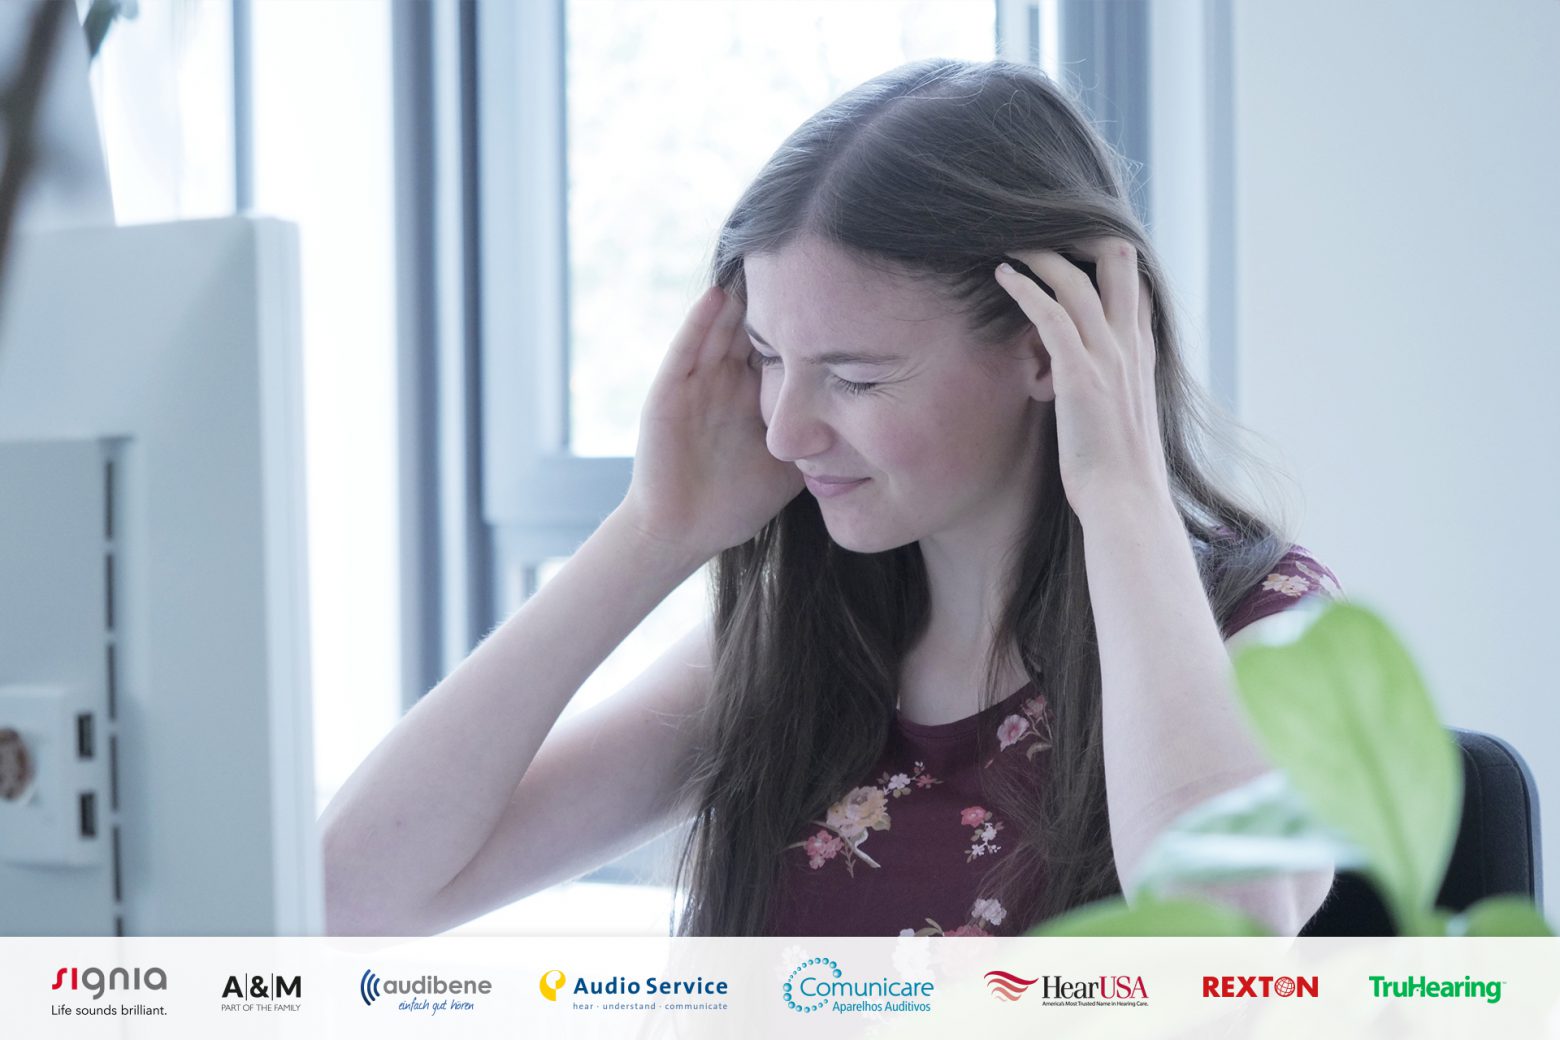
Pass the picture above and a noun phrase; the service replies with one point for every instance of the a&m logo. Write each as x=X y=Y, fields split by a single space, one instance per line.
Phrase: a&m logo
x=1007 y=986
x=551 y=983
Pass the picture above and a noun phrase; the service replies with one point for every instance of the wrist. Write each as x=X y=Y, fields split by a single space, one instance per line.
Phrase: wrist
x=1129 y=507
x=623 y=523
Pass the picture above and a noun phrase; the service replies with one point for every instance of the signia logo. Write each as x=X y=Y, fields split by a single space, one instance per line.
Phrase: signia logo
x=368 y=987
x=96 y=981
x=1007 y=986
x=550 y=988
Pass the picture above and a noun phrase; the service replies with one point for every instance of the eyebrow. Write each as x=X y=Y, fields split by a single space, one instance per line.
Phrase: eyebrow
x=833 y=357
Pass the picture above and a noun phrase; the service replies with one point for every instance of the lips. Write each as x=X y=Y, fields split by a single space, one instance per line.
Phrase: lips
x=828 y=487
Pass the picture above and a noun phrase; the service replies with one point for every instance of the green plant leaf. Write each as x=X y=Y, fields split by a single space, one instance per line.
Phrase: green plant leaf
x=1261 y=828
x=1343 y=711
x=1500 y=915
x=1149 y=916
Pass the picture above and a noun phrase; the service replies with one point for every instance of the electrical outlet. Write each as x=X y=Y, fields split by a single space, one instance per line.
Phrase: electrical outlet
x=52 y=780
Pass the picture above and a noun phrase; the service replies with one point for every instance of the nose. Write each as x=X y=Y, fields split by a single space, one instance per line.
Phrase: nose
x=796 y=430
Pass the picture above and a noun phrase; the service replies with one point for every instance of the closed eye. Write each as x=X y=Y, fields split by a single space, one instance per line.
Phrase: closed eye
x=847 y=385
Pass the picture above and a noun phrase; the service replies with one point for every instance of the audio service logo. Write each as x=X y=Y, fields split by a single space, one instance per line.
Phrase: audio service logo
x=626 y=994
x=1007 y=986
x=420 y=991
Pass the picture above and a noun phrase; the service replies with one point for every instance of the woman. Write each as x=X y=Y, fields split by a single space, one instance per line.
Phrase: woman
x=971 y=578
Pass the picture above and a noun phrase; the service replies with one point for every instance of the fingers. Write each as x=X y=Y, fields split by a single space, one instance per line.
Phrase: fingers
x=723 y=330
x=1116 y=264
x=1056 y=329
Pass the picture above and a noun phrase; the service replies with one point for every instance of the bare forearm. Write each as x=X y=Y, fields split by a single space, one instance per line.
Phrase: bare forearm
x=427 y=798
x=1174 y=732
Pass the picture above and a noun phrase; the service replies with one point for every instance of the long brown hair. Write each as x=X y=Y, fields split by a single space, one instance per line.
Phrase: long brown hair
x=934 y=170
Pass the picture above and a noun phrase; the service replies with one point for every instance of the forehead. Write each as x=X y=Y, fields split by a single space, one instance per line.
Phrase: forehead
x=811 y=297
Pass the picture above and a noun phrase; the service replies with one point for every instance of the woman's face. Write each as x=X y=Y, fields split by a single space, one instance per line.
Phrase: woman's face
x=940 y=439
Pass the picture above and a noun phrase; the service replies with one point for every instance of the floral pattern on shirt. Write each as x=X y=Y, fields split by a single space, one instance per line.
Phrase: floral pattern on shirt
x=851 y=820
x=985 y=911
x=1307 y=581
x=983 y=839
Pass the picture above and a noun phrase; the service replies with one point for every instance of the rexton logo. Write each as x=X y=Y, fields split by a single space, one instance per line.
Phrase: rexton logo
x=1260 y=985
x=95 y=981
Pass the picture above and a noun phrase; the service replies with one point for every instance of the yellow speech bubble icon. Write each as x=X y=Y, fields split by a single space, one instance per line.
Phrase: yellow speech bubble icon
x=550 y=988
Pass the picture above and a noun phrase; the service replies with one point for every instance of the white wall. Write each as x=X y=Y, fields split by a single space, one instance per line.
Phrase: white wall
x=1397 y=328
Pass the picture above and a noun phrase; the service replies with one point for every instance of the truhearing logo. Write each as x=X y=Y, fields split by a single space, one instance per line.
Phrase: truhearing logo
x=1007 y=986
x=419 y=990
x=550 y=987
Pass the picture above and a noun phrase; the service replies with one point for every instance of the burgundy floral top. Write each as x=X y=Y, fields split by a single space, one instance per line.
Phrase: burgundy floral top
x=905 y=851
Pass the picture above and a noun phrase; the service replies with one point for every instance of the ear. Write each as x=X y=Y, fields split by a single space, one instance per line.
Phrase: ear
x=1035 y=365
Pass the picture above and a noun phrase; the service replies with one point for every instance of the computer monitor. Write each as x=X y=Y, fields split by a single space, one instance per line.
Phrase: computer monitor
x=156 y=765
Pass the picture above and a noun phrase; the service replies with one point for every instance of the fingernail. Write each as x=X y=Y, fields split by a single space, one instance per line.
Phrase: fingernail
x=1004 y=268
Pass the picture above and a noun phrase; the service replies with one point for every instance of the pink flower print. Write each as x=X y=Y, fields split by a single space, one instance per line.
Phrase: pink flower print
x=968 y=929
x=821 y=847
x=925 y=780
x=1011 y=731
x=1289 y=585
x=1035 y=707
x=985 y=830
x=863 y=809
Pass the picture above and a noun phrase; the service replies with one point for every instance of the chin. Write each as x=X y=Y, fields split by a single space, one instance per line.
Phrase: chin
x=865 y=541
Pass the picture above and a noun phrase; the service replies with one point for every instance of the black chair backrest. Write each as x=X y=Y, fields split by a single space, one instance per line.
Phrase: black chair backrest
x=1497 y=849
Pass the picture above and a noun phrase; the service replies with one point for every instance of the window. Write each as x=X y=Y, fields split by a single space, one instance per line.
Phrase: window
x=665 y=111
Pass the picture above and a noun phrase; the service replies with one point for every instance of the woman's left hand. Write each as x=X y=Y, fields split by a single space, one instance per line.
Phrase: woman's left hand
x=1102 y=368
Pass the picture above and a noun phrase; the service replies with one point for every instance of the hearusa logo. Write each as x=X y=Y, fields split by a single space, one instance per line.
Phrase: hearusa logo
x=97 y=982
x=818 y=983
x=1099 y=991
x=371 y=987
x=1260 y=986
x=1467 y=988
x=553 y=982
x=1007 y=986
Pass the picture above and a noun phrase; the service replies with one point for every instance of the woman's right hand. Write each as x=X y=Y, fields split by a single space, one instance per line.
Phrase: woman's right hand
x=703 y=478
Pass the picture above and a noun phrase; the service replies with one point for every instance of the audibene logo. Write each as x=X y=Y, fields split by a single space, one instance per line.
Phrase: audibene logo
x=1261 y=985
x=1468 y=988
x=1056 y=991
x=820 y=984
x=250 y=994
x=619 y=993
x=97 y=982
x=429 y=993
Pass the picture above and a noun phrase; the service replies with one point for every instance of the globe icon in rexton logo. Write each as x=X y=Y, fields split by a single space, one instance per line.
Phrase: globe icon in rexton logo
x=368 y=987
x=1284 y=986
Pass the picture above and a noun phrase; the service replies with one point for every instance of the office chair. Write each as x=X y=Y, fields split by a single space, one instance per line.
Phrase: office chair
x=1497 y=849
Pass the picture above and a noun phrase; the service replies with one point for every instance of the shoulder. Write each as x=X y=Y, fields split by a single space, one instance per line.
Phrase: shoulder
x=1297 y=576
